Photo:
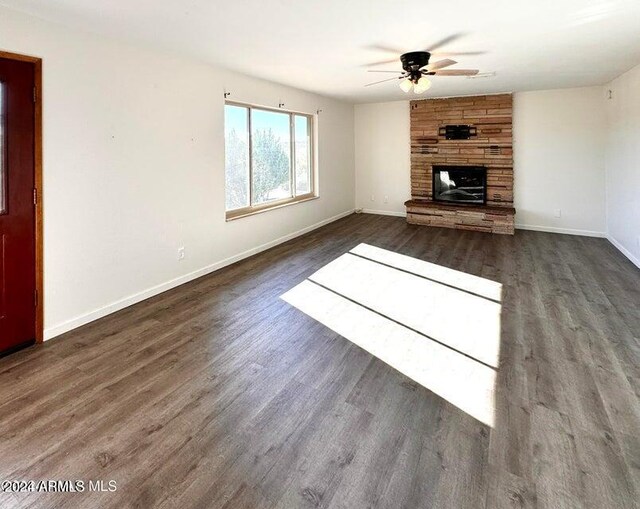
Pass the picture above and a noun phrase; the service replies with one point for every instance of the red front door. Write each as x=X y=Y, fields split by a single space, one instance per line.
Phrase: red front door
x=17 y=212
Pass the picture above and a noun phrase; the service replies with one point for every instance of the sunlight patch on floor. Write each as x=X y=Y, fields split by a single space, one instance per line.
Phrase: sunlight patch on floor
x=438 y=326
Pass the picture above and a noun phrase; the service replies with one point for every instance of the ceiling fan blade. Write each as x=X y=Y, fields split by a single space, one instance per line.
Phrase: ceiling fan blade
x=457 y=72
x=456 y=53
x=376 y=70
x=440 y=64
x=445 y=41
x=383 y=62
x=383 y=81
x=382 y=47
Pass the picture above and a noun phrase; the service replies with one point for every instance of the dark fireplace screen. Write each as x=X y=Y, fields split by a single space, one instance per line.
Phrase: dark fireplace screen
x=460 y=184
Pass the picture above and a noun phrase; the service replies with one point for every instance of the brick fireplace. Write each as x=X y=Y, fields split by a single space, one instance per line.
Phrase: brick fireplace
x=473 y=132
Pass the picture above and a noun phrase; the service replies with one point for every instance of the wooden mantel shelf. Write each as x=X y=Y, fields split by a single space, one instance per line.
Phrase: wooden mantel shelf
x=482 y=218
x=490 y=209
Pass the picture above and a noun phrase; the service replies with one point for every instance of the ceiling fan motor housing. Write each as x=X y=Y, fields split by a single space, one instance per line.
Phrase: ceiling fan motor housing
x=414 y=60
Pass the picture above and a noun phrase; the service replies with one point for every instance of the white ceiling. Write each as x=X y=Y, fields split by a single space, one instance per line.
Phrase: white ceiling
x=323 y=46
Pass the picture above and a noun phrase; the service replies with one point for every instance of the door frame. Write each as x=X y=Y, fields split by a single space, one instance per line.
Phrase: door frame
x=37 y=149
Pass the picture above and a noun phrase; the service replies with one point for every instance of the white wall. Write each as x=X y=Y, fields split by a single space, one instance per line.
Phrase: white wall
x=134 y=168
x=559 y=135
x=382 y=150
x=559 y=145
x=623 y=164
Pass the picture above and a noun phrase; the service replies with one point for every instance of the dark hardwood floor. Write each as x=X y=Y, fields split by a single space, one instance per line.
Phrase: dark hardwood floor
x=220 y=394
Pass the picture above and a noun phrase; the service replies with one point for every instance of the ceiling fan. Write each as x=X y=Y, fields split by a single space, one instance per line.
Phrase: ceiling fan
x=416 y=69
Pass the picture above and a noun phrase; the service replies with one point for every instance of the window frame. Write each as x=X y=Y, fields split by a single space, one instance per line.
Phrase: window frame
x=275 y=204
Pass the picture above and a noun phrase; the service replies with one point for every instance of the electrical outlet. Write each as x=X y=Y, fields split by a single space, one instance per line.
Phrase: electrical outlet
x=181 y=253
x=557 y=213
x=373 y=198
x=386 y=199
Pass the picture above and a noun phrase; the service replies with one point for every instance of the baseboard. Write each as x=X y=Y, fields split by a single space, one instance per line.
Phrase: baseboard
x=548 y=229
x=384 y=212
x=566 y=231
x=78 y=321
x=624 y=251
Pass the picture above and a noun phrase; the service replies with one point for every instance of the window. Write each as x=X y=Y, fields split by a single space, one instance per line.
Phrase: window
x=268 y=159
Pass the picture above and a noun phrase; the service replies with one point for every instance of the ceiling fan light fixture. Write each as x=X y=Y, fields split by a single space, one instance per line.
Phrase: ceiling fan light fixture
x=406 y=85
x=416 y=67
x=422 y=85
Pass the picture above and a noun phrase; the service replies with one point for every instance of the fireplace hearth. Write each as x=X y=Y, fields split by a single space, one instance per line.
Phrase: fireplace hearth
x=460 y=184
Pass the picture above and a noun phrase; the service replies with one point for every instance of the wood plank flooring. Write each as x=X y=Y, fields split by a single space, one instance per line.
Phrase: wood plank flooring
x=218 y=394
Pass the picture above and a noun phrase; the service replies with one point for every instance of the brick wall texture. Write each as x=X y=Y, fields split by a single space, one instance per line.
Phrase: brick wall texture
x=492 y=147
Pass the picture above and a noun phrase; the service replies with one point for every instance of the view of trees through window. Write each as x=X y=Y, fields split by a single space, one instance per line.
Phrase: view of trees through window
x=236 y=157
x=271 y=152
x=267 y=156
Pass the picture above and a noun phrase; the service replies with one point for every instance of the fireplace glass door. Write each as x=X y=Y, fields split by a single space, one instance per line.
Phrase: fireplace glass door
x=460 y=184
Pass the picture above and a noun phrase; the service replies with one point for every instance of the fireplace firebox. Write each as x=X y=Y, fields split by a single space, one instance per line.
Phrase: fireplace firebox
x=460 y=184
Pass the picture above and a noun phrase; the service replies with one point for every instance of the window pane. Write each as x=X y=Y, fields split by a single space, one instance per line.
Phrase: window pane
x=303 y=154
x=3 y=145
x=236 y=140
x=271 y=146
